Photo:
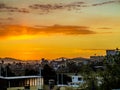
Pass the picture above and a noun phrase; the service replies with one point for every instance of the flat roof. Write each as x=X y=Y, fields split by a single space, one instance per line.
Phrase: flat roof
x=20 y=77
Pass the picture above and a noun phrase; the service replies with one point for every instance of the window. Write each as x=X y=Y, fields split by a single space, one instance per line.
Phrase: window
x=79 y=78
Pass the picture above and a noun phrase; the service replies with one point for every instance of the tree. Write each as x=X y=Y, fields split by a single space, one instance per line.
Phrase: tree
x=48 y=73
x=90 y=78
x=111 y=75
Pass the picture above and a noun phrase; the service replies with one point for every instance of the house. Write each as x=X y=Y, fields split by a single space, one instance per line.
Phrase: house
x=76 y=81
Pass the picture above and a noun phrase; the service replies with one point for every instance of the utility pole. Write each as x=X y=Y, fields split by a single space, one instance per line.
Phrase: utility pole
x=62 y=78
x=0 y=69
x=57 y=78
x=6 y=71
x=39 y=81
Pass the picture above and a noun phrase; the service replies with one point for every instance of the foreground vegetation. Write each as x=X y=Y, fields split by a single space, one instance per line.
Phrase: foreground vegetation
x=106 y=79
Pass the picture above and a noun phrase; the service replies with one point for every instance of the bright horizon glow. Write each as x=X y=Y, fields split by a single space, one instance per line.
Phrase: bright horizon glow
x=36 y=29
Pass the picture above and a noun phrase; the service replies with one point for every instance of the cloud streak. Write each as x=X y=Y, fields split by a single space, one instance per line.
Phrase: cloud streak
x=6 y=19
x=105 y=28
x=45 y=8
x=15 y=30
x=58 y=6
x=42 y=8
x=106 y=2
x=6 y=8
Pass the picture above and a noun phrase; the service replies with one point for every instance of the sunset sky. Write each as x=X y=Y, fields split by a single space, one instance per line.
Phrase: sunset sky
x=33 y=29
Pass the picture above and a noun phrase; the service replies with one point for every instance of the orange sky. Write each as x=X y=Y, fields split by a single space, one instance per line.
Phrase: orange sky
x=36 y=28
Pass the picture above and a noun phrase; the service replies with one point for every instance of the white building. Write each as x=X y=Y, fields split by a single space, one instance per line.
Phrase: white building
x=76 y=81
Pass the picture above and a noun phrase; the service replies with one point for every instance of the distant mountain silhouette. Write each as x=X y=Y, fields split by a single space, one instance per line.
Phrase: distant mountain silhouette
x=9 y=60
x=79 y=59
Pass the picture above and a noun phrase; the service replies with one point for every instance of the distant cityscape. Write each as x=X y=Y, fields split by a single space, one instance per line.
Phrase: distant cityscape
x=62 y=64
x=51 y=69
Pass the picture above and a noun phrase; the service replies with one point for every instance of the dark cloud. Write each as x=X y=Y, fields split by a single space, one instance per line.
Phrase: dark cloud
x=15 y=30
x=58 y=6
x=6 y=8
x=103 y=3
x=70 y=30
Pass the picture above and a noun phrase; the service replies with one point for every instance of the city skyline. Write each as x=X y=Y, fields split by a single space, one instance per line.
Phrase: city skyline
x=33 y=29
